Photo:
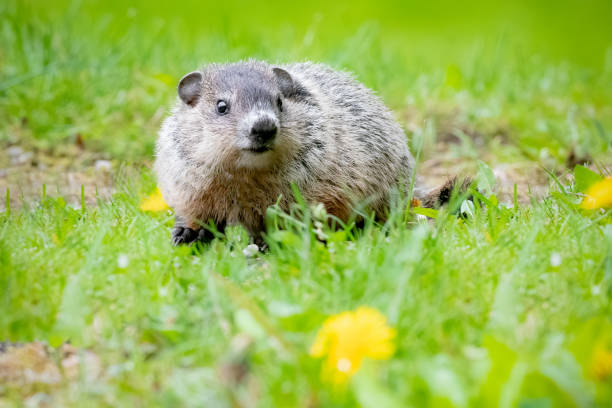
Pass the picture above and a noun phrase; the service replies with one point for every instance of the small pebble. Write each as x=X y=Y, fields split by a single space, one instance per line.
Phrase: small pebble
x=14 y=151
x=22 y=158
x=103 y=165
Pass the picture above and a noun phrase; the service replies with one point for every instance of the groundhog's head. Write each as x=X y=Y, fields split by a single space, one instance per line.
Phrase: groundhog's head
x=237 y=114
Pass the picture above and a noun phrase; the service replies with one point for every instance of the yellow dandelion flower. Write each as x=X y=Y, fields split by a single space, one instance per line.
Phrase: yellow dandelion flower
x=599 y=195
x=347 y=338
x=601 y=363
x=155 y=202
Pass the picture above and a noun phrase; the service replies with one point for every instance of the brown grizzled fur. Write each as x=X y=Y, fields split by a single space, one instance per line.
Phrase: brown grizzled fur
x=442 y=194
x=240 y=134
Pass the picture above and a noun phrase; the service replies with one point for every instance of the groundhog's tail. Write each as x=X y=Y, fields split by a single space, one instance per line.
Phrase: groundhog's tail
x=442 y=195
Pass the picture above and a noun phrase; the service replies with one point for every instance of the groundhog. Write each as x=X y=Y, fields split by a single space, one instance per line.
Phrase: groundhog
x=241 y=133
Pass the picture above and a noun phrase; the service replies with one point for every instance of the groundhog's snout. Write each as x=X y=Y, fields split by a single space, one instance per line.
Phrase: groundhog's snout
x=262 y=134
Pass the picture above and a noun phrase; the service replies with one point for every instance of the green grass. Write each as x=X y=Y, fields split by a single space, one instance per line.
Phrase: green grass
x=471 y=301
x=485 y=315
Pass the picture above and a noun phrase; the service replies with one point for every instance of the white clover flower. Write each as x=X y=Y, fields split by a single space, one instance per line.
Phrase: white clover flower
x=251 y=250
x=123 y=261
x=555 y=259
x=319 y=212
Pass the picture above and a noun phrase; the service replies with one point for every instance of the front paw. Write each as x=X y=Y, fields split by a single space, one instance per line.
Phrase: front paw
x=186 y=235
x=183 y=235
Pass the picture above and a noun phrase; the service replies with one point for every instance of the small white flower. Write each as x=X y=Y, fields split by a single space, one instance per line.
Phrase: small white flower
x=320 y=234
x=555 y=259
x=595 y=290
x=344 y=365
x=251 y=250
x=319 y=231
x=123 y=261
x=318 y=212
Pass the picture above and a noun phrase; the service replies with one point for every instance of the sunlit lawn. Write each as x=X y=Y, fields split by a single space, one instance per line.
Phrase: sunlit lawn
x=507 y=307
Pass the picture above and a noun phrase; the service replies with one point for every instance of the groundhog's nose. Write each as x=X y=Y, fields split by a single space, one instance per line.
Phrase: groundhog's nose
x=263 y=131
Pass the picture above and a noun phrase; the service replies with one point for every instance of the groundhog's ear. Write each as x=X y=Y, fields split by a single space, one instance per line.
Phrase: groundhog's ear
x=285 y=82
x=190 y=88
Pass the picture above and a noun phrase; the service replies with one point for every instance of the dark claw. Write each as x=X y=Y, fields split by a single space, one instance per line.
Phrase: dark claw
x=183 y=235
x=186 y=235
x=261 y=243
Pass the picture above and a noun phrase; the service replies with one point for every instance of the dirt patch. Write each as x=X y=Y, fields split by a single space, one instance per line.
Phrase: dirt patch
x=530 y=178
x=31 y=367
x=28 y=174
x=453 y=145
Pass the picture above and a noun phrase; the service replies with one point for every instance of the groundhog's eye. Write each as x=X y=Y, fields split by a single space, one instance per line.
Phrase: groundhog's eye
x=222 y=107
x=279 y=102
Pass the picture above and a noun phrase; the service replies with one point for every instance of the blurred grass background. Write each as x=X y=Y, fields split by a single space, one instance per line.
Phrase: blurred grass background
x=106 y=70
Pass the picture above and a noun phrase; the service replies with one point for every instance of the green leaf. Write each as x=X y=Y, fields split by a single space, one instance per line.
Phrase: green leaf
x=467 y=208
x=370 y=393
x=565 y=372
x=507 y=304
x=585 y=178
x=279 y=308
x=247 y=324
x=587 y=336
x=307 y=321
x=428 y=212
x=503 y=360
x=337 y=236
x=74 y=308
x=485 y=178
x=443 y=381
x=285 y=237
